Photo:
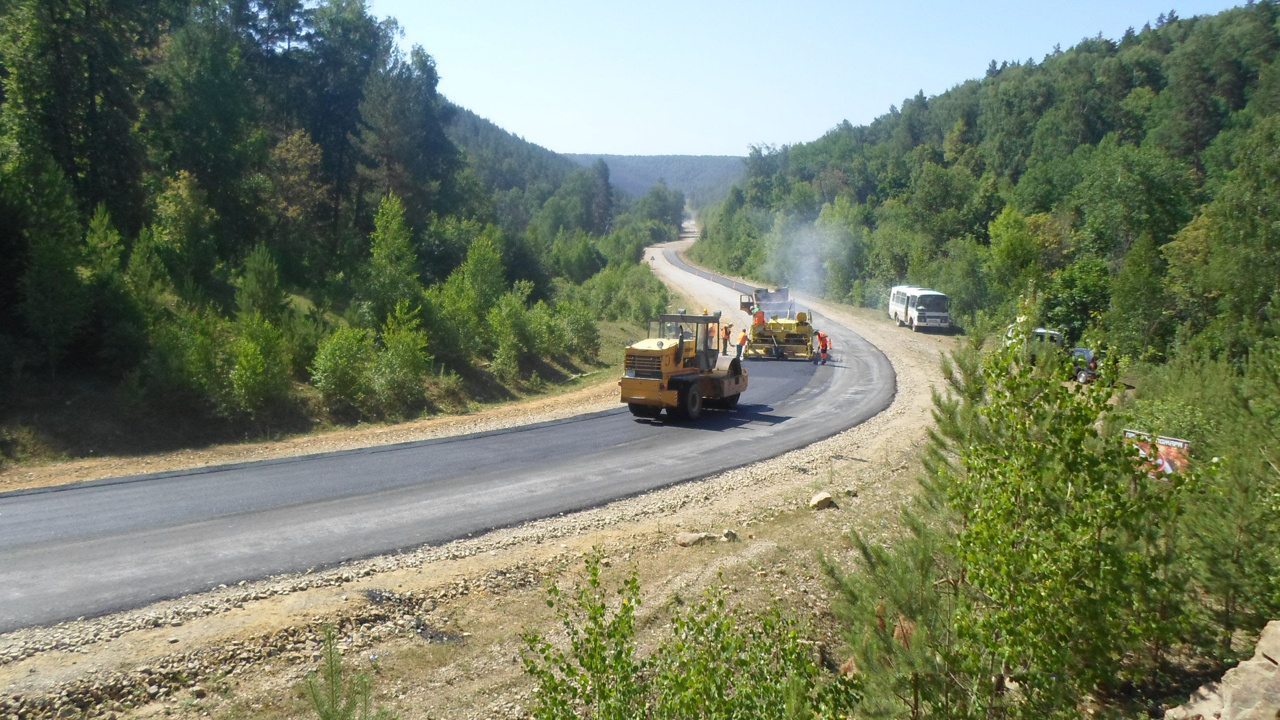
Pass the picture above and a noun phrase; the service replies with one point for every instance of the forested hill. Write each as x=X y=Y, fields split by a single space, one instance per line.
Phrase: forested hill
x=263 y=212
x=704 y=178
x=505 y=160
x=1128 y=185
x=1127 y=193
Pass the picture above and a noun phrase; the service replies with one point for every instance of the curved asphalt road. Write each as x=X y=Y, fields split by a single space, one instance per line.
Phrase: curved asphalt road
x=108 y=545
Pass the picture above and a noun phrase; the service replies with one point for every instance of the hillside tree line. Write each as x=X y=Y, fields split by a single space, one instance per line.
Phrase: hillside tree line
x=229 y=204
x=1127 y=194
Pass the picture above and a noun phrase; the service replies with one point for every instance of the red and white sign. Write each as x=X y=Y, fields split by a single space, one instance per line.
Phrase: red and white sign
x=1164 y=456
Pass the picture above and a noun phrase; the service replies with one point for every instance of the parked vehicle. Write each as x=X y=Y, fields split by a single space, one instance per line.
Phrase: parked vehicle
x=1039 y=335
x=1085 y=362
x=1040 y=342
x=919 y=308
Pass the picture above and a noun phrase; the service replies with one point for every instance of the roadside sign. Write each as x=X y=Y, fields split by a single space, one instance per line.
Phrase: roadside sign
x=1164 y=455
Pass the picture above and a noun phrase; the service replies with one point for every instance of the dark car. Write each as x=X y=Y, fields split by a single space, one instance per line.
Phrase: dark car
x=1085 y=362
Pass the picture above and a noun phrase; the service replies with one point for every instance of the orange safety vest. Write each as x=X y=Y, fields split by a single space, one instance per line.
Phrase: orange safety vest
x=822 y=341
x=758 y=318
x=742 y=338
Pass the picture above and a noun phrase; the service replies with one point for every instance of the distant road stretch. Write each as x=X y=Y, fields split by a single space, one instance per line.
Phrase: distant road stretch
x=108 y=545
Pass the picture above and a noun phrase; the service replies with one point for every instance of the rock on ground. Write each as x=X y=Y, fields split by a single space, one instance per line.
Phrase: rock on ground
x=1249 y=691
x=821 y=501
x=689 y=539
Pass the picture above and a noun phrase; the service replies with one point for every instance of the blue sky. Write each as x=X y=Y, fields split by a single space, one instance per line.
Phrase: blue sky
x=712 y=78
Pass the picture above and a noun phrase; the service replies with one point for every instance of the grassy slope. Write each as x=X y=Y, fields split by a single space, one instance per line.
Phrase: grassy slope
x=48 y=422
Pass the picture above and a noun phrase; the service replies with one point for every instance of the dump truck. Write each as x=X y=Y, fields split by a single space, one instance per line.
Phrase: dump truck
x=678 y=368
x=773 y=302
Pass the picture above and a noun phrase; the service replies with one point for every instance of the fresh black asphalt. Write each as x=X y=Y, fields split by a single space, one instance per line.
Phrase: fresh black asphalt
x=108 y=545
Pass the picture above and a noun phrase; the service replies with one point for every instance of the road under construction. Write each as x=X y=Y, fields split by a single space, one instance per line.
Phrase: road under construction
x=96 y=547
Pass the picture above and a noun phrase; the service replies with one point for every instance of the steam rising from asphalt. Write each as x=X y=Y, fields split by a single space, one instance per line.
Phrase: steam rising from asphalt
x=798 y=253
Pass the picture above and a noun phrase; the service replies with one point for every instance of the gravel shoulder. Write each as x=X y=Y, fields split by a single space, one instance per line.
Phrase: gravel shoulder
x=442 y=624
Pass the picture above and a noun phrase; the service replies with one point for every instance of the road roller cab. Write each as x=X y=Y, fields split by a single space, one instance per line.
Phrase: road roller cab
x=678 y=367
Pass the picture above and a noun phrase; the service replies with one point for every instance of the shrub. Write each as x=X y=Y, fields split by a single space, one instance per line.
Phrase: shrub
x=1234 y=545
x=190 y=357
x=334 y=694
x=547 y=336
x=626 y=292
x=581 y=333
x=258 y=287
x=509 y=326
x=453 y=323
x=303 y=333
x=725 y=663
x=259 y=373
x=717 y=663
x=1051 y=562
x=249 y=375
x=600 y=676
x=391 y=275
x=399 y=369
x=340 y=371
x=506 y=363
x=447 y=391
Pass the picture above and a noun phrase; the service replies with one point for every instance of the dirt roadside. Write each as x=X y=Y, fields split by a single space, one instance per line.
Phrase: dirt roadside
x=442 y=624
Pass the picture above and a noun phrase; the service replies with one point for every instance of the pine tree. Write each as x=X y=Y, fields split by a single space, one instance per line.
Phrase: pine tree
x=601 y=208
x=391 y=275
x=103 y=248
x=259 y=288
x=1139 y=319
x=53 y=296
x=401 y=140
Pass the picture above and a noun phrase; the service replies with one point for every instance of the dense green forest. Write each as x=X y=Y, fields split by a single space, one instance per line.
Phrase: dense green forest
x=704 y=179
x=1109 y=181
x=263 y=212
x=1127 y=193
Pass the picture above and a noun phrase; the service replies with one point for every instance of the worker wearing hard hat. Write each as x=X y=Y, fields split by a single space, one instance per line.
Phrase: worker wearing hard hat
x=824 y=343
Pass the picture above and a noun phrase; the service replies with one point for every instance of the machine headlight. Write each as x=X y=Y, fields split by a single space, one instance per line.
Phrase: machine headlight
x=629 y=372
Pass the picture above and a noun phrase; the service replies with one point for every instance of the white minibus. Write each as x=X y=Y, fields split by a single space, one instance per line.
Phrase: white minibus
x=919 y=308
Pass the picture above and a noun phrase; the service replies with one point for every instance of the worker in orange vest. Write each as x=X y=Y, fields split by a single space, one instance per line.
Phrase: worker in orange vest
x=742 y=342
x=724 y=339
x=824 y=343
x=757 y=317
